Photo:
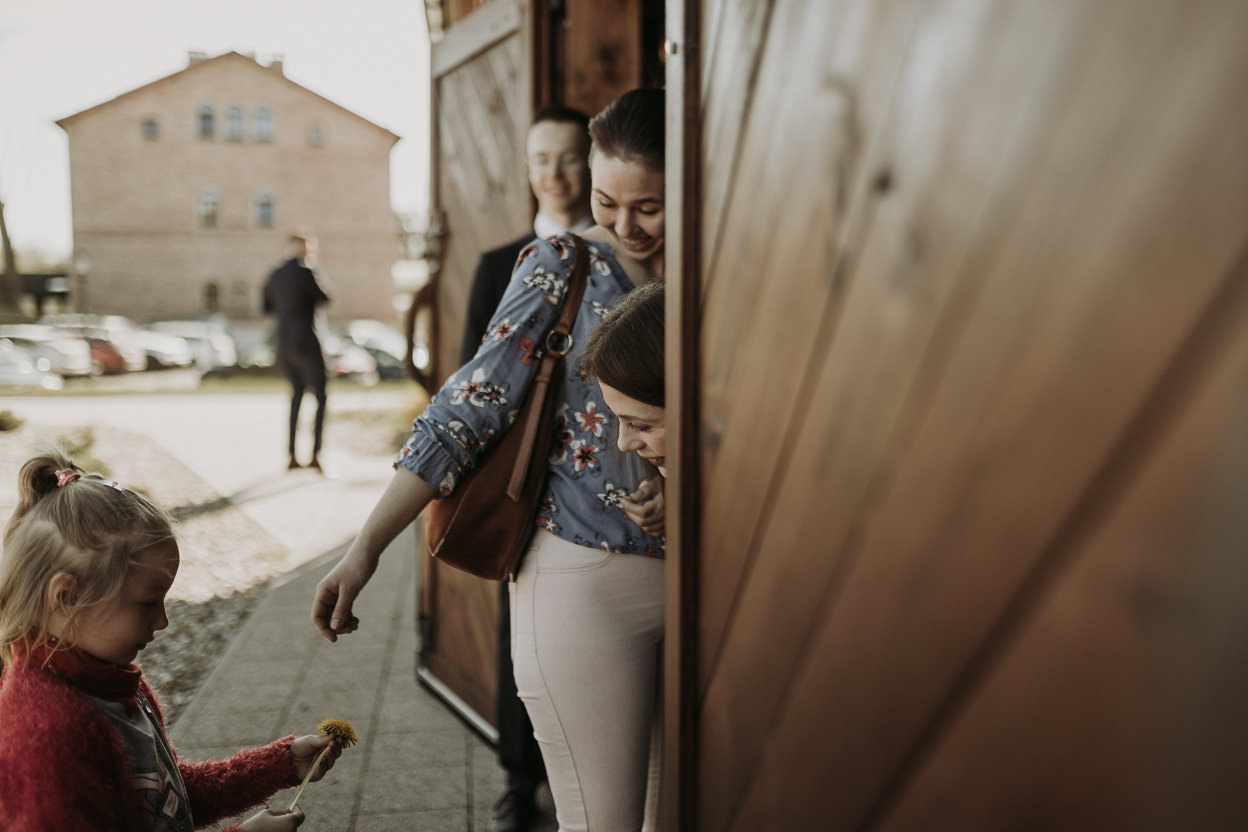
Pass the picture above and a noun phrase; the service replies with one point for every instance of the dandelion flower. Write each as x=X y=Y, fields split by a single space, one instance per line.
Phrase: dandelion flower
x=341 y=730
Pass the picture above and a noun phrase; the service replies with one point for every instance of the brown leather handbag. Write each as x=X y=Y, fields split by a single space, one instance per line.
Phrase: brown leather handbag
x=486 y=523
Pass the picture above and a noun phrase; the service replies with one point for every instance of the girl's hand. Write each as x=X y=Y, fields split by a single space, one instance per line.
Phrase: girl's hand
x=304 y=750
x=646 y=508
x=273 y=820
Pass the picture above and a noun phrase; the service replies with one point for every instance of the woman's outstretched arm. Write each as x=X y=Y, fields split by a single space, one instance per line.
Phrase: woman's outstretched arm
x=403 y=500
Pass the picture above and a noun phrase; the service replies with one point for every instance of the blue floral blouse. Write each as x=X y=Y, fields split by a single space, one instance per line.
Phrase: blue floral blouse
x=588 y=474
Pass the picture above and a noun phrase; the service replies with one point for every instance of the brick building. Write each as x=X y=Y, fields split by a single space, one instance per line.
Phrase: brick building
x=184 y=191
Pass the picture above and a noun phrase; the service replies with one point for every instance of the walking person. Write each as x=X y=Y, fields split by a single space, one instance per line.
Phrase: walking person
x=83 y=578
x=292 y=294
x=587 y=602
x=557 y=156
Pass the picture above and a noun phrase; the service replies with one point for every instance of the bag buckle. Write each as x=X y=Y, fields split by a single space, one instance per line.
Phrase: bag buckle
x=559 y=343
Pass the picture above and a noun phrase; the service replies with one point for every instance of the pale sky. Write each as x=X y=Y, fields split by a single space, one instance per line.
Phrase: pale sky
x=58 y=57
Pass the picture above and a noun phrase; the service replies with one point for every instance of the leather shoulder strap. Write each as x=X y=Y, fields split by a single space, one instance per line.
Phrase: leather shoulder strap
x=530 y=418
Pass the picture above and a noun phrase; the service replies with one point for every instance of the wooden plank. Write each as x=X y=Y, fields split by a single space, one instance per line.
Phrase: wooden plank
x=475 y=33
x=1091 y=705
x=732 y=64
x=749 y=323
x=1079 y=316
x=956 y=191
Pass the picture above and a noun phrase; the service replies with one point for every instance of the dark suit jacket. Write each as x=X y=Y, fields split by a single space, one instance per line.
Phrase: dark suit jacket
x=489 y=283
x=292 y=295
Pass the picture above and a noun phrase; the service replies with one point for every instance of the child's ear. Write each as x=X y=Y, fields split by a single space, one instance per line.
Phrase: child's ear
x=62 y=593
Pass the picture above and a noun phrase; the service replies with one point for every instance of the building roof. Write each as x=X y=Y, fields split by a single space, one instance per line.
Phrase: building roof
x=196 y=62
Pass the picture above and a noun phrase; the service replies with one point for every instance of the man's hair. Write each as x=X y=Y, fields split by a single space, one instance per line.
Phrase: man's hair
x=560 y=113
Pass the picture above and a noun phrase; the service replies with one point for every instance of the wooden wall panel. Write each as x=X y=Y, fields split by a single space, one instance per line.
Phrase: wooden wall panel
x=1100 y=675
x=964 y=246
x=762 y=335
x=730 y=68
x=602 y=52
x=483 y=187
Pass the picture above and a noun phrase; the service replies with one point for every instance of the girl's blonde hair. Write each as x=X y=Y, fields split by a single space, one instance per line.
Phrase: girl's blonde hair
x=88 y=527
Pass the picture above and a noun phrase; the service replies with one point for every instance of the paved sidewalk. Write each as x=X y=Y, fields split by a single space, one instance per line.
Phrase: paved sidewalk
x=417 y=766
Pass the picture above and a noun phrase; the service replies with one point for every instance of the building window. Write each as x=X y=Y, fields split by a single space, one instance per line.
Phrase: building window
x=206 y=122
x=212 y=298
x=234 y=124
x=264 y=211
x=150 y=129
x=208 y=205
x=316 y=135
x=264 y=124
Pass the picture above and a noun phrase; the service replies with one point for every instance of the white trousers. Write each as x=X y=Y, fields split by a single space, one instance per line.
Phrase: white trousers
x=587 y=643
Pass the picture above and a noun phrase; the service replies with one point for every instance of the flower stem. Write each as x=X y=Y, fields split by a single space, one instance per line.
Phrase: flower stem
x=307 y=777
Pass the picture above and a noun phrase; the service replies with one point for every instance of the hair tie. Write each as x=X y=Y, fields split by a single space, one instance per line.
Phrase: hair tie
x=65 y=476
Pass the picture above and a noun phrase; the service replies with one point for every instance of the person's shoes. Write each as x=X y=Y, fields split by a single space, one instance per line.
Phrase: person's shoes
x=315 y=465
x=294 y=463
x=514 y=812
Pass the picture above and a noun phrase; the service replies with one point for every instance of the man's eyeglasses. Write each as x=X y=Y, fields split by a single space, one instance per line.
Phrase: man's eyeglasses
x=550 y=163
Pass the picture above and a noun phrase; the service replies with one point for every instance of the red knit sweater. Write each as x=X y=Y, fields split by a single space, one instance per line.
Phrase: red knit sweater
x=63 y=766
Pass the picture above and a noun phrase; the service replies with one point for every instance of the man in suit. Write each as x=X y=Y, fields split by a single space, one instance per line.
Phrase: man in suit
x=557 y=153
x=292 y=295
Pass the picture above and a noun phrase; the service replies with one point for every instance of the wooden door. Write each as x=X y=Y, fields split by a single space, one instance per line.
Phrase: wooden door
x=964 y=361
x=481 y=107
x=493 y=63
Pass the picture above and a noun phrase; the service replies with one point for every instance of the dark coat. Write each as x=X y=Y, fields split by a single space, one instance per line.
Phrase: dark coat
x=292 y=295
x=489 y=283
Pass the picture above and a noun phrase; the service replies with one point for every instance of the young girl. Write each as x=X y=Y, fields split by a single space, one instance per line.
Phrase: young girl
x=83 y=578
x=625 y=354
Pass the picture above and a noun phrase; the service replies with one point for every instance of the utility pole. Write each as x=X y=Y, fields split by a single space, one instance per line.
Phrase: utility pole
x=10 y=287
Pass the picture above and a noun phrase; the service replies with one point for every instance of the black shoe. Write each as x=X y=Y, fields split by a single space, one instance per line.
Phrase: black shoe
x=514 y=812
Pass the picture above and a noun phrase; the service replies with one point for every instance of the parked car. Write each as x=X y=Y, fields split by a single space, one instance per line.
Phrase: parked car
x=106 y=355
x=389 y=365
x=211 y=343
x=387 y=346
x=20 y=367
x=116 y=334
x=165 y=351
x=344 y=358
x=67 y=354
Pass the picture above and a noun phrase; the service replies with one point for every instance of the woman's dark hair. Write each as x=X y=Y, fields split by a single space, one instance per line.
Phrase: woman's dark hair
x=630 y=129
x=626 y=350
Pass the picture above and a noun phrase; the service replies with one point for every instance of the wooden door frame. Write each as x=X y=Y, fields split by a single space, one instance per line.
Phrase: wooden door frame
x=684 y=301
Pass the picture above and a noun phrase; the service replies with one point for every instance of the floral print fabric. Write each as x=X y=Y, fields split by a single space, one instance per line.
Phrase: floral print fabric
x=588 y=475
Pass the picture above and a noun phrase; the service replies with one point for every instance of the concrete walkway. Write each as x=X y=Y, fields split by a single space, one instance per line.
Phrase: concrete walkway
x=417 y=766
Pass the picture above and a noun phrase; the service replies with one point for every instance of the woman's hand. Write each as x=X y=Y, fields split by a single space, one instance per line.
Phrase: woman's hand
x=336 y=594
x=646 y=507
x=399 y=505
x=273 y=820
x=304 y=750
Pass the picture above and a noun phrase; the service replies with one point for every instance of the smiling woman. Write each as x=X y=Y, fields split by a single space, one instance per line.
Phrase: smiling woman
x=628 y=177
x=626 y=355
